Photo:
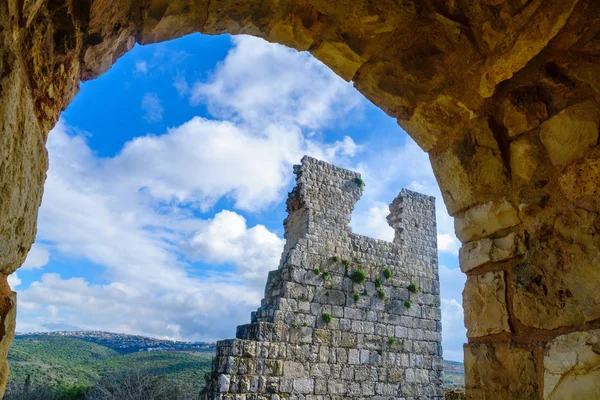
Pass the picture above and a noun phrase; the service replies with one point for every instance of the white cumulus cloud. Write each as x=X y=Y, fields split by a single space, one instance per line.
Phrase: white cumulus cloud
x=227 y=239
x=263 y=83
x=37 y=257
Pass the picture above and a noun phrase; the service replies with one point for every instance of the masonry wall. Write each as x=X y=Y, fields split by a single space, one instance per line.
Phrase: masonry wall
x=384 y=336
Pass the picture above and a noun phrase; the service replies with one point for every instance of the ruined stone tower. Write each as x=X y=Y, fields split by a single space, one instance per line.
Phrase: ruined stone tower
x=320 y=333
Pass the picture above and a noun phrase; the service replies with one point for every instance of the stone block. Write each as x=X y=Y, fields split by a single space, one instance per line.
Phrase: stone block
x=471 y=169
x=483 y=251
x=484 y=303
x=524 y=158
x=224 y=381
x=558 y=285
x=304 y=385
x=524 y=116
x=485 y=219
x=572 y=367
x=431 y=121
x=499 y=371
x=569 y=134
x=293 y=369
x=581 y=180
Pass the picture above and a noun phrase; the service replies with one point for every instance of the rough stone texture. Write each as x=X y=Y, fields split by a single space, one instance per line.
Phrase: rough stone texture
x=502 y=94
x=472 y=167
x=499 y=371
x=483 y=251
x=8 y=320
x=484 y=303
x=373 y=347
x=485 y=219
x=572 y=367
x=549 y=291
x=569 y=134
x=23 y=159
x=455 y=394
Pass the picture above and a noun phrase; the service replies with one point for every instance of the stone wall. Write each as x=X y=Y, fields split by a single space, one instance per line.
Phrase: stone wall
x=320 y=334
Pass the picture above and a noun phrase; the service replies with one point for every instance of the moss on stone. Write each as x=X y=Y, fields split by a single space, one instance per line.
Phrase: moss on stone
x=358 y=276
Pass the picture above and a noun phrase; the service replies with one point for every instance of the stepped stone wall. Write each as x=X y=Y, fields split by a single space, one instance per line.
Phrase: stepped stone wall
x=384 y=337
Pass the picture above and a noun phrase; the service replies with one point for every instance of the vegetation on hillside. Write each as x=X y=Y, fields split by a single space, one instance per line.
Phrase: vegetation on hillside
x=65 y=362
x=135 y=385
x=454 y=374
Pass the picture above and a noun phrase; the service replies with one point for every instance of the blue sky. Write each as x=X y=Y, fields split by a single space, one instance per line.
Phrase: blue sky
x=163 y=207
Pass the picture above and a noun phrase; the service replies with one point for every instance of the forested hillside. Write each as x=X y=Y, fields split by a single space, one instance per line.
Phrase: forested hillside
x=68 y=362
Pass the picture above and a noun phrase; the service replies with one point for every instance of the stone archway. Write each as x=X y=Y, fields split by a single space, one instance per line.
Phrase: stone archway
x=502 y=94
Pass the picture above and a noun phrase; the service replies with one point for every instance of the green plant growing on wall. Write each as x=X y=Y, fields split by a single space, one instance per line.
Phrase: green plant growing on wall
x=356 y=297
x=378 y=283
x=346 y=262
x=358 y=276
x=359 y=182
x=413 y=288
x=305 y=324
x=392 y=341
x=325 y=275
x=408 y=304
x=381 y=294
x=318 y=271
x=335 y=259
x=327 y=318
x=387 y=273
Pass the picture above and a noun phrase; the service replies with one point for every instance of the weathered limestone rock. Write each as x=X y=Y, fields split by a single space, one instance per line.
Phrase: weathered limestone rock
x=558 y=284
x=432 y=121
x=582 y=180
x=569 y=134
x=523 y=47
x=168 y=20
x=499 y=371
x=485 y=219
x=523 y=116
x=372 y=346
x=455 y=394
x=524 y=158
x=572 y=367
x=483 y=251
x=23 y=159
x=340 y=57
x=484 y=302
x=471 y=168
x=8 y=316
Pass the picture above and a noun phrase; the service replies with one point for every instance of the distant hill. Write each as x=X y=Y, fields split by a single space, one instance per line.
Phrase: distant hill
x=79 y=358
x=124 y=343
x=70 y=361
x=454 y=374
